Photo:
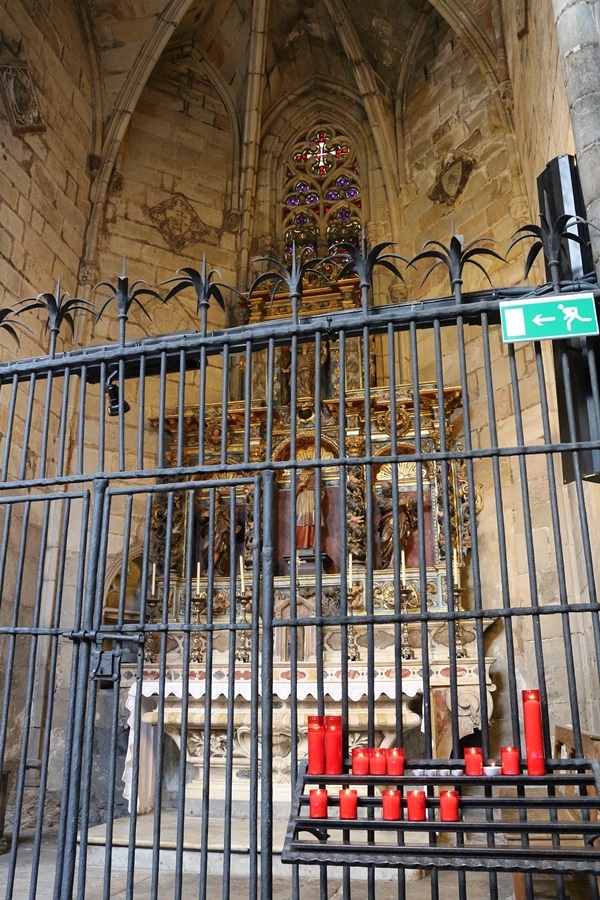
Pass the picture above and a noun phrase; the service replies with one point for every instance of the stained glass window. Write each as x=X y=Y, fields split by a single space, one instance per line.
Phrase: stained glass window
x=322 y=193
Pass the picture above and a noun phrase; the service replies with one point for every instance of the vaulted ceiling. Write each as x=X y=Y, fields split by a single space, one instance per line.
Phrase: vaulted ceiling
x=261 y=56
x=303 y=39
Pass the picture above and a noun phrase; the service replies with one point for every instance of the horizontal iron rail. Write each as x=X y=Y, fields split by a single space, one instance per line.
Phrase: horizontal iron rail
x=496 y=858
x=589 y=830
x=89 y=361
x=240 y=469
x=339 y=619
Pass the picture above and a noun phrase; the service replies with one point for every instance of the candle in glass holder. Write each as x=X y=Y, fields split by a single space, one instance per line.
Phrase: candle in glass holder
x=391 y=804
x=510 y=760
x=473 y=761
x=534 y=737
x=360 y=761
x=449 y=804
x=416 y=804
x=348 y=803
x=333 y=745
x=316 y=745
x=395 y=760
x=318 y=803
x=378 y=761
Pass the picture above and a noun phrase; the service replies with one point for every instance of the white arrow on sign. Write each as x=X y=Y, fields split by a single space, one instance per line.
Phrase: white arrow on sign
x=540 y=319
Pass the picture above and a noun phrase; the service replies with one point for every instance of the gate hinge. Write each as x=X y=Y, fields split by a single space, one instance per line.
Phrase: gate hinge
x=105 y=663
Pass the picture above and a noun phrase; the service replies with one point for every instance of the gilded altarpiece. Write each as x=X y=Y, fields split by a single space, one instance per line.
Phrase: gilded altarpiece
x=378 y=502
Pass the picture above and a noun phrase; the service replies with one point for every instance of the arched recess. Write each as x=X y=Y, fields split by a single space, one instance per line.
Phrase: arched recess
x=123 y=595
x=309 y=104
x=119 y=123
x=222 y=88
x=417 y=33
x=176 y=173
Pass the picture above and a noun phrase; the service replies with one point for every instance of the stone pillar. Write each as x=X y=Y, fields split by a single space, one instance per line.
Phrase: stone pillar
x=578 y=32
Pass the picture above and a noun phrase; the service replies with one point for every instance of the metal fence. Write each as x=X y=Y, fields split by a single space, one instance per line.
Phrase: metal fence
x=198 y=553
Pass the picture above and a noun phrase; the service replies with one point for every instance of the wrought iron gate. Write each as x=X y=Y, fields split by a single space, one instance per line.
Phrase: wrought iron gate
x=206 y=538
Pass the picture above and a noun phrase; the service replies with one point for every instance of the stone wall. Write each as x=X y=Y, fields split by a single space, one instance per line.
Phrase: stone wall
x=44 y=183
x=457 y=162
x=541 y=114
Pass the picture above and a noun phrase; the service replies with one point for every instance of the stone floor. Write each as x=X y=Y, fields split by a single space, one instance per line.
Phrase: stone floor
x=144 y=885
x=146 y=889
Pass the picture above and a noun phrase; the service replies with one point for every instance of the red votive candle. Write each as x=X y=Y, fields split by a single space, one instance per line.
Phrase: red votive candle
x=360 y=761
x=348 y=803
x=510 y=760
x=416 y=804
x=449 y=803
x=391 y=804
x=395 y=760
x=473 y=761
x=534 y=737
x=318 y=803
x=316 y=745
x=333 y=745
x=378 y=761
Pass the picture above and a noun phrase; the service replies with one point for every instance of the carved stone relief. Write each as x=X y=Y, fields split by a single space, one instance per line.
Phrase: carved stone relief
x=20 y=100
x=452 y=179
x=178 y=222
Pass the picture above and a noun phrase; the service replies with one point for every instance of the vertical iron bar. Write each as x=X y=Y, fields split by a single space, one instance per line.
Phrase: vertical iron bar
x=87 y=766
x=185 y=694
x=27 y=429
x=529 y=546
x=10 y=424
x=77 y=618
x=102 y=418
x=137 y=704
x=141 y=421
x=46 y=425
x=255 y=695
x=426 y=708
x=62 y=425
x=266 y=730
x=71 y=789
x=81 y=421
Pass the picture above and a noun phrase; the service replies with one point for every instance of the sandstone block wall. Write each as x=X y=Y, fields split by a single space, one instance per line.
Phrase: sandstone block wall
x=44 y=185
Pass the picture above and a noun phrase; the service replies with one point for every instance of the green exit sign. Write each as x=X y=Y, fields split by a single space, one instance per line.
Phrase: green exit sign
x=548 y=318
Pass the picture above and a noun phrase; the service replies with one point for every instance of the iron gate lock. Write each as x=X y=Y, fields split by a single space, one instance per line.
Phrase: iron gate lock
x=105 y=663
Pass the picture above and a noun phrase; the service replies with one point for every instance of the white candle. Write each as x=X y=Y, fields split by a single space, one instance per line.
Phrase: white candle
x=153 y=579
x=198 y=578
x=456 y=568
x=350 y=569
x=243 y=583
x=403 y=567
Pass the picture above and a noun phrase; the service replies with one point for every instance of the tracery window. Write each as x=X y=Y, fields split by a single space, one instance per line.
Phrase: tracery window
x=322 y=193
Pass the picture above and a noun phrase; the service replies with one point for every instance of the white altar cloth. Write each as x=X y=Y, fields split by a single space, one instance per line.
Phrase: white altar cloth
x=307 y=686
